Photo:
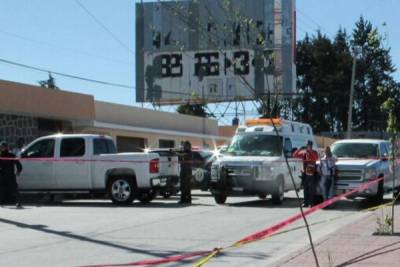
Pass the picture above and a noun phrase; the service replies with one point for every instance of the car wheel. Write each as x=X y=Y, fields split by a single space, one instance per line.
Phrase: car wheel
x=278 y=194
x=378 y=198
x=166 y=194
x=121 y=190
x=146 y=196
x=220 y=197
x=263 y=196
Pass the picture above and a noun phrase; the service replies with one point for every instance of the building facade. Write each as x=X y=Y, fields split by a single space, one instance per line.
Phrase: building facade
x=28 y=112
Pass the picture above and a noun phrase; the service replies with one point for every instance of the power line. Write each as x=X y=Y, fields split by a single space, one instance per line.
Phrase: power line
x=104 y=27
x=39 y=42
x=309 y=18
x=65 y=74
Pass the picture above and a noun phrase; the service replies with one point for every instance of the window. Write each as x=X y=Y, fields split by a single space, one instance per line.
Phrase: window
x=72 y=147
x=166 y=143
x=355 y=150
x=288 y=146
x=103 y=146
x=131 y=144
x=41 y=149
x=255 y=145
x=384 y=150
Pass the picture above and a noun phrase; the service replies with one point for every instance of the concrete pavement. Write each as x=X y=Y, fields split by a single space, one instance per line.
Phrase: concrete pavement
x=83 y=232
x=354 y=245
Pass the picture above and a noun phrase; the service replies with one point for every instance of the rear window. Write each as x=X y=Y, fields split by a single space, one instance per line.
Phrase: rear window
x=103 y=146
x=72 y=147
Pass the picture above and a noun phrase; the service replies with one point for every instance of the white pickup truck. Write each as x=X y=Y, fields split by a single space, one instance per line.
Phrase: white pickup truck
x=80 y=163
x=362 y=160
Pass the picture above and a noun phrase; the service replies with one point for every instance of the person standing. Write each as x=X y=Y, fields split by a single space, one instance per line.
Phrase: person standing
x=20 y=145
x=309 y=157
x=8 y=164
x=186 y=158
x=327 y=169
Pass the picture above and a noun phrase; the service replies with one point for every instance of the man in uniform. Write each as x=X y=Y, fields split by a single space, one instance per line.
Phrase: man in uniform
x=185 y=176
x=9 y=186
x=310 y=158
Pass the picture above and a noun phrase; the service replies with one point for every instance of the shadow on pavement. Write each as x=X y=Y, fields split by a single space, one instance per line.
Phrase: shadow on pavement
x=370 y=254
x=343 y=205
x=66 y=234
x=106 y=204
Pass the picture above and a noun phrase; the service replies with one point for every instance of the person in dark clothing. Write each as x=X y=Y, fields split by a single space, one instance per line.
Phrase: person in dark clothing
x=186 y=158
x=9 y=187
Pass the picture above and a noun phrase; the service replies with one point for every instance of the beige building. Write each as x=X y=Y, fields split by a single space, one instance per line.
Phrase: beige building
x=28 y=112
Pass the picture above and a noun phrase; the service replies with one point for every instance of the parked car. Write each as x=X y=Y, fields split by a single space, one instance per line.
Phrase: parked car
x=169 y=166
x=79 y=163
x=201 y=173
x=361 y=160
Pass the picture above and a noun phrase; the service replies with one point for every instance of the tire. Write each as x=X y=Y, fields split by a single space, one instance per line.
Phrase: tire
x=166 y=194
x=278 y=194
x=220 y=197
x=263 y=196
x=121 y=190
x=146 y=196
x=378 y=198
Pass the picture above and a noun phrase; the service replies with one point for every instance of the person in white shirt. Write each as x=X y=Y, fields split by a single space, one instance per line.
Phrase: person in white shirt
x=327 y=169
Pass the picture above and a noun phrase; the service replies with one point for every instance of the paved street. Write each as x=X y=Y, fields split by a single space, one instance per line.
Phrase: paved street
x=82 y=232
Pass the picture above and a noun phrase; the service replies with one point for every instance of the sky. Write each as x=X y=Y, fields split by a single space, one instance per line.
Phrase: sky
x=61 y=36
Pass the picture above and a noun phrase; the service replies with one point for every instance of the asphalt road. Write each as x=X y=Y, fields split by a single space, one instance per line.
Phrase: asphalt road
x=84 y=232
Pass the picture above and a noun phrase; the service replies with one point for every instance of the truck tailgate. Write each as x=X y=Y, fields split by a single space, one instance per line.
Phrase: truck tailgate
x=169 y=163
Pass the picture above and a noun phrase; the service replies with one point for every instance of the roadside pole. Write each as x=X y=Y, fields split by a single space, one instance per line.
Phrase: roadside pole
x=350 y=114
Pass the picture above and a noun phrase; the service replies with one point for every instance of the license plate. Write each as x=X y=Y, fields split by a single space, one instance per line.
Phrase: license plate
x=237 y=189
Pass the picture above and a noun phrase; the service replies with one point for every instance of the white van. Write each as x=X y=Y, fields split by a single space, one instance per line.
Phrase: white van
x=254 y=163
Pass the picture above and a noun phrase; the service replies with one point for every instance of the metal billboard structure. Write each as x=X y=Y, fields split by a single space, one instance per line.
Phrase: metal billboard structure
x=214 y=50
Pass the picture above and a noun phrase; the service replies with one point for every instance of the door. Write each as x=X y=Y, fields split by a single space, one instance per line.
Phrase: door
x=295 y=166
x=38 y=166
x=72 y=171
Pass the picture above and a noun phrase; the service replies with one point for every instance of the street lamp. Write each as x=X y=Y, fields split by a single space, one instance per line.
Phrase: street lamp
x=356 y=51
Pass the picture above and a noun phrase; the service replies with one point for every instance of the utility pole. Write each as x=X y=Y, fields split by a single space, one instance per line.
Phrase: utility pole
x=353 y=76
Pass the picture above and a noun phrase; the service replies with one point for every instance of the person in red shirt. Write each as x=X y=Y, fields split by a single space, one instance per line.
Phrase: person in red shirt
x=310 y=158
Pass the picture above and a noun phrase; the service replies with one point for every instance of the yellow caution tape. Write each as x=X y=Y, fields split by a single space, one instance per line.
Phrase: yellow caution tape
x=239 y=244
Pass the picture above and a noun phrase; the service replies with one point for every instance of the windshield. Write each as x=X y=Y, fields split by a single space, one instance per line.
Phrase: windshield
x=255 y=145
x=355 y=150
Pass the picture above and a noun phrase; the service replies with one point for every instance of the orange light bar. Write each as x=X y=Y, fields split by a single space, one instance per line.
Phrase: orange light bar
x=268 y=121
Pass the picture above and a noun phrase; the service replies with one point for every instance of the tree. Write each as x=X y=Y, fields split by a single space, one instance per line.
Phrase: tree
x=374 y=71
x=324 y=74
x=322 y=69
x=193 y=110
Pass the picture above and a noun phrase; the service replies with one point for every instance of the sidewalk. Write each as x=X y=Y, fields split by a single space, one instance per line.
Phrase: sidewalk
x=354 y=245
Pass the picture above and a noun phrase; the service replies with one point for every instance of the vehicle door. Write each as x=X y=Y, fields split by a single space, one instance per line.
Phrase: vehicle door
x=38 y=166
x=73 y=169
x=387 y=154
x=295 y=165
x=385 y=165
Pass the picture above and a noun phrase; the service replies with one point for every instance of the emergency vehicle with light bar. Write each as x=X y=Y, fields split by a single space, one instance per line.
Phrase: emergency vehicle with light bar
x=83 y=163
x=254 y=162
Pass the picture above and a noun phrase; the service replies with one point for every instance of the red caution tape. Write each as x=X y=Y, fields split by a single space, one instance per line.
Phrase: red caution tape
x=250 y=238
x=170 y=259
x=271 y=230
